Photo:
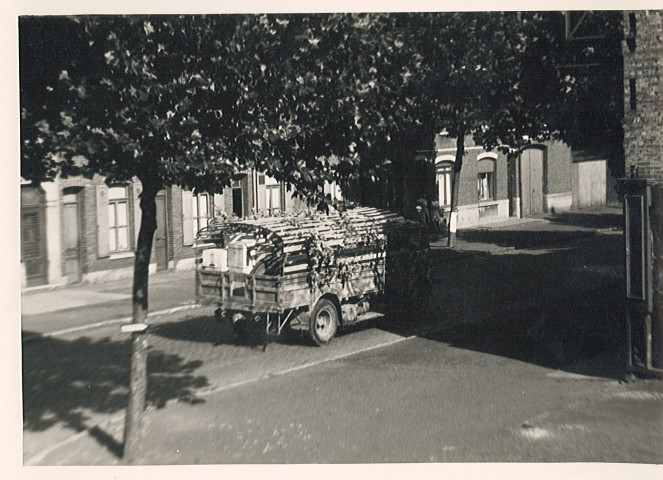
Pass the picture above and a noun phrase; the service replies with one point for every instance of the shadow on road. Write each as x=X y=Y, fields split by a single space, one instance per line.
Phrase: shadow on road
x=536 y=235
x=584 y=335
x=64 y=380
x=596 y=220
x=205 y=329
x=562 y=308
x=521 y=239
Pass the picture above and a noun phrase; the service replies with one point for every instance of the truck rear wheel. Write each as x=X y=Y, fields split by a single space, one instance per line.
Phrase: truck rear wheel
x=323 y=322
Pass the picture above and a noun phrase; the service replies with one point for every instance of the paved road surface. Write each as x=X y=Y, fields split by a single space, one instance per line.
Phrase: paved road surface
x=492 y=374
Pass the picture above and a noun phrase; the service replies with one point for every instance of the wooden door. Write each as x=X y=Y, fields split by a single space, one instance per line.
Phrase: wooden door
x=238 y=206
x=531 y=181
x=591 y=185
x=161 y=234
x=72 y=238
x=33 y=237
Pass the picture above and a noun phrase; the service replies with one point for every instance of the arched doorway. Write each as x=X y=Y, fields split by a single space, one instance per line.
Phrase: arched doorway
x=71 y=212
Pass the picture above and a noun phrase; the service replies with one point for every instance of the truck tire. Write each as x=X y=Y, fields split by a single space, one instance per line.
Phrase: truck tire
x=323 y=322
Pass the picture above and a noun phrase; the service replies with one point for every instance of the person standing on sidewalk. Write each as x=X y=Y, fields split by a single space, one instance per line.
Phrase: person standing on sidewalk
x=421 y=213
x=435 y=220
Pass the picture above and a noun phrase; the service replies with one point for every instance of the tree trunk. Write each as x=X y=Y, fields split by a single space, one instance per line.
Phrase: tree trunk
x=458 y=164
x=138 y=382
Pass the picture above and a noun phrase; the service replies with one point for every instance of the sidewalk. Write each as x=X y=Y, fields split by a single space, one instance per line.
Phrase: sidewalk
x=75 y=306
x=515 y=234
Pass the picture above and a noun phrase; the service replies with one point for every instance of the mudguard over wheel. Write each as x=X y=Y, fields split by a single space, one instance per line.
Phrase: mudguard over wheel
x=323 y=322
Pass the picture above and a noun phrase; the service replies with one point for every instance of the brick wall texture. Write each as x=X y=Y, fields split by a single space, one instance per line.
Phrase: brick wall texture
x=643 y=126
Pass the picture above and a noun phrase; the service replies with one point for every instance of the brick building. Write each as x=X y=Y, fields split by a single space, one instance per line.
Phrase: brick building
x=542 y=178
x=79 y=229
x=643 y=96
x=642 y=51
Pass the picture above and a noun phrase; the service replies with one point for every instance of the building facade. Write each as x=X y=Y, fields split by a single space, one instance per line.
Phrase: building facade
x=542 y=178
x=82 y=230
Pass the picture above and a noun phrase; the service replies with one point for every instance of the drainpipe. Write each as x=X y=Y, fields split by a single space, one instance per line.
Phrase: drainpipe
x=520 y=184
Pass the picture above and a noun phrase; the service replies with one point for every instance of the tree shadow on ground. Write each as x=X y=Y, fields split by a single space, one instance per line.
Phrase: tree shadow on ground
x=536 y=235
x=521 y=239
x=205 y=329
x=561 y=309
x=597 y=220
x=64 y=382
x=582 y=336
x=558 y=306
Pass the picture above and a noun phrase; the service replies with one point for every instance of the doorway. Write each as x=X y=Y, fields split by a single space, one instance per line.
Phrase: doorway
x=161 y=233
x=33 y=236
x=531 y=181
x=72 y=234
x=589 y=184
x=238 y=206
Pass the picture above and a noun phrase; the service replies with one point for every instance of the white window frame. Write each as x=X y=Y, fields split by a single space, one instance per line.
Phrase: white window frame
x=444 y=182
x=115 y=199
x=199 y=221
x=486 y=179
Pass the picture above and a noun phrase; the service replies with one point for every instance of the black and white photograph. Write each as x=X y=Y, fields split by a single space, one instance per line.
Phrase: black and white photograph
x=397 y=237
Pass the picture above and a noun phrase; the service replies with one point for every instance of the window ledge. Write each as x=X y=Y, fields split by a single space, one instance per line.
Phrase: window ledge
x=118 y=255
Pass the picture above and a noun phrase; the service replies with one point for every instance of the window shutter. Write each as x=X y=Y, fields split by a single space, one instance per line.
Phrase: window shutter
x=187 y=220
x=138 y=213
x=102 y=221
x=261 y=196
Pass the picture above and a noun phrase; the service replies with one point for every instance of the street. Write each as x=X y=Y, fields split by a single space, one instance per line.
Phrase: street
x=519 y=359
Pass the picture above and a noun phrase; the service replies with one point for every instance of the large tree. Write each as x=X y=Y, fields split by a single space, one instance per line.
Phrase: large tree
x=485 y=75
x=189 y=101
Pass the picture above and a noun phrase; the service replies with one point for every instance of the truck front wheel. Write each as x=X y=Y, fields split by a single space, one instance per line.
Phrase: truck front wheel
x=323 y=322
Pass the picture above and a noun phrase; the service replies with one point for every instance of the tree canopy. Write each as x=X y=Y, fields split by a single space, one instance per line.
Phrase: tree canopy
x=190 y=101
x=194 y=100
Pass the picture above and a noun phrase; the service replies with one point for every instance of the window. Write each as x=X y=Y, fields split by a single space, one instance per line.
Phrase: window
x=443 y=178
x=486 y=183
x=200 y=211
x=118 y=219
x=632 y=32
x=486 y=179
